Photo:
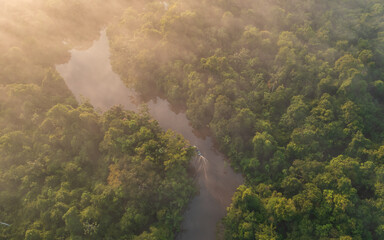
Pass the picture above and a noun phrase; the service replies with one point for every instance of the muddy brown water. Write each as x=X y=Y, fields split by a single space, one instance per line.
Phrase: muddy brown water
x=88 y=74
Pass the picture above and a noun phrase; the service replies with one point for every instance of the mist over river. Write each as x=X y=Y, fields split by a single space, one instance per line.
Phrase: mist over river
x=88 y=74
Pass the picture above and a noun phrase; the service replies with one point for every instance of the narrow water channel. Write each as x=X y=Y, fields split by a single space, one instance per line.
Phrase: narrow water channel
x=89 y=74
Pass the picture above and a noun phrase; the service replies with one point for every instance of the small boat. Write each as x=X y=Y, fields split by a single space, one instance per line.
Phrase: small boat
x=197 y=151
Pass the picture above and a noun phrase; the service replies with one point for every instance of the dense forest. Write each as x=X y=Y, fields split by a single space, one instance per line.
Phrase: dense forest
x=292 y=90
x=67 y=171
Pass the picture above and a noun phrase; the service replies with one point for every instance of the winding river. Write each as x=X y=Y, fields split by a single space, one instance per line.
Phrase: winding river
x=88 y=74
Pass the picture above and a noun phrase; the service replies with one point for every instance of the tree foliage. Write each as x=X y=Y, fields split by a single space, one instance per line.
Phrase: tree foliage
x=293 y=93
x=67 y=171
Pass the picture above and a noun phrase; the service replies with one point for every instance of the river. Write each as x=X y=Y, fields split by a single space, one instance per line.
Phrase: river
x=88 y=74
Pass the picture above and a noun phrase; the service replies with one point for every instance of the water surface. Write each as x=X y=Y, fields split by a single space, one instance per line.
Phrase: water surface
x=89 y=74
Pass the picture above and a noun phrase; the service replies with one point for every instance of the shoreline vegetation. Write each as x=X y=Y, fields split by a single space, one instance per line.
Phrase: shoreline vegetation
x=66 y=171
x=293 y=93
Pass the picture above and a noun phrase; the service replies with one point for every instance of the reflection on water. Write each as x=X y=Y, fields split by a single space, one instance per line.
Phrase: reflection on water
x=89 y=74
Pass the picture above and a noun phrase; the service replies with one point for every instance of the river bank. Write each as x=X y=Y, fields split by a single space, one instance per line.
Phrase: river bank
x=88 y=74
